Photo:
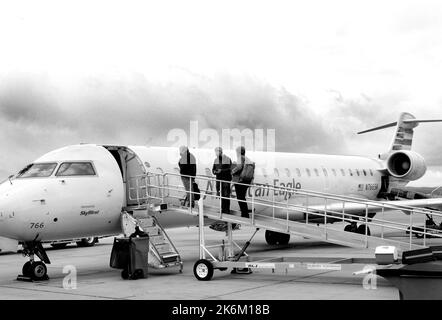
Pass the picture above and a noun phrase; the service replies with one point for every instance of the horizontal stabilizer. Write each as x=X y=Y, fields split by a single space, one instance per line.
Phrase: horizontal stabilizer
x=392 y=124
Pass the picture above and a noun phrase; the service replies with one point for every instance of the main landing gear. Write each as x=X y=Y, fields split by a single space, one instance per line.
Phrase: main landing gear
x=353 y=227
x=34 y=270
x=273 y=238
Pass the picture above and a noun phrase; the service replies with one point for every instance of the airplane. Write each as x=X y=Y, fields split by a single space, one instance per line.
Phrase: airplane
x=80 y=191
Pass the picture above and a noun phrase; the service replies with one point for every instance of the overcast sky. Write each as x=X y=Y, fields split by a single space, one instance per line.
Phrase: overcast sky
x=127 y=72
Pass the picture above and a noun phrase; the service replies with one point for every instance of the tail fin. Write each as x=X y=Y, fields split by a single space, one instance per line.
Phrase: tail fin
x=403 y=138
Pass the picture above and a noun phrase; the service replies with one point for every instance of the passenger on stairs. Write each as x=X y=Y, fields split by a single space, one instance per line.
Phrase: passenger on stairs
x=222 y=167
x=187 y=165
x=242 y=181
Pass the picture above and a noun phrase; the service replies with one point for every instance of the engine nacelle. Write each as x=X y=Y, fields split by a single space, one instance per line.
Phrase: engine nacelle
x=407 y=165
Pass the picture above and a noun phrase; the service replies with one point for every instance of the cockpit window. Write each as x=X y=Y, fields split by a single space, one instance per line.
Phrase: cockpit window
x=76 y=169
x=37 y=170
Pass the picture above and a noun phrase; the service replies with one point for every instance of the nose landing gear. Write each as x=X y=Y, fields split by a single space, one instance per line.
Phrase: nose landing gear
x=34 y=270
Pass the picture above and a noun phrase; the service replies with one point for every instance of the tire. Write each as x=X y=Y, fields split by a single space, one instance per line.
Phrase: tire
x=125 y=274
x=59 y=245
x=203 y=270
x=39 y=271
x=27 y=269
x=361 y=230
x=419 y=235
x=270 y=237
x=283 y=239
x=273 y=238
x=138 y=274
x=87 y=242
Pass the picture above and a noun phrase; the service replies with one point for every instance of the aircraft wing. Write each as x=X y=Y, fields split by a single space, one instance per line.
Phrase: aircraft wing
x=376 y=206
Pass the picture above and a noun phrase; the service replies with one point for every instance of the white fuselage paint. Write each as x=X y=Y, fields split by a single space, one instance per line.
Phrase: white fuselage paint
x=75 y=207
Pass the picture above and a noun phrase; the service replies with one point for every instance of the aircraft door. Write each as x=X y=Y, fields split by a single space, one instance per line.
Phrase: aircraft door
x=136 y=182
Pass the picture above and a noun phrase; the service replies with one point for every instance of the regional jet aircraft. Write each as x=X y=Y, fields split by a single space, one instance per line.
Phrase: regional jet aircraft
x=80 y=191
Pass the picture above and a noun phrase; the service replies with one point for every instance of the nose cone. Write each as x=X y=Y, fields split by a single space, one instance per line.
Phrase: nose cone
x=13 y=199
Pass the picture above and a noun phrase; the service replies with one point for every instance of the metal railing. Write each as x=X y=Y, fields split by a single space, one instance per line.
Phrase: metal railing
x=287 y=205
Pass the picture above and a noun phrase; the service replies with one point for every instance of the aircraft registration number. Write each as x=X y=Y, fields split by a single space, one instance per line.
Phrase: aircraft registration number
x=37 y=225
x=371 y=186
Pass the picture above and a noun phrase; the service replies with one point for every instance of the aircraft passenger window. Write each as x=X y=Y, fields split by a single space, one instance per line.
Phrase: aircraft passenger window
x=37 y=170
x=287 y=172
x=316 y=172
x=75 y=169
x=357 y=172
x=264 y=172
x=351 y=173
x=325 y=172
x=343 y=172
x=276 y=172
x=371 y=172
x=308 y=172
x=298 y=172
x=365 y=172
x=334 y=172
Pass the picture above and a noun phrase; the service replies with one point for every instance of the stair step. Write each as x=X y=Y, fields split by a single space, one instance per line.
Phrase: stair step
x=157 y=240
x=146 y=223
x=169 y=258
x=169 y=254
x=161 y=248
x=140 y=214
x=151 y=231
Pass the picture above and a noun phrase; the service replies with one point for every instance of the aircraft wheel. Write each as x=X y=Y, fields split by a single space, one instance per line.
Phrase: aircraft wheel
x=203 y=270
x=27 y=269
x=59 y=245
x=270 y=237
x=361 y=229
x=351 y=228
x=87 y=242
x=38 y=271
x=273 y=238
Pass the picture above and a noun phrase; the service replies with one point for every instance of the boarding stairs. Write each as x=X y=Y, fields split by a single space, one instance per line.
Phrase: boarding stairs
x=163 y=191
x=162 y=252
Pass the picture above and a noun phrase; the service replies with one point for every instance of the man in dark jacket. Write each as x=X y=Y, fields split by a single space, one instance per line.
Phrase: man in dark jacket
x=187 y=166
x=240 y=187
x=222 y=170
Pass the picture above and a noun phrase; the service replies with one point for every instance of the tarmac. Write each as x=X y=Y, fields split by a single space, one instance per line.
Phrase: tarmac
x=96 y=280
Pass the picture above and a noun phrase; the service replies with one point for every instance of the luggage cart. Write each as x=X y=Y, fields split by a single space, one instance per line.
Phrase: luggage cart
x=242 y=263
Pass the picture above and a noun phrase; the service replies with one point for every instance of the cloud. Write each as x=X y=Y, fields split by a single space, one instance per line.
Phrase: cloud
x=363 y=112
x=39 y=113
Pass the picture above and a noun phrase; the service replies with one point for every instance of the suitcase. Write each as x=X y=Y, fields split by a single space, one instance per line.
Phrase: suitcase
x=139 y=251
x=131 y=255
x=119 y=258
